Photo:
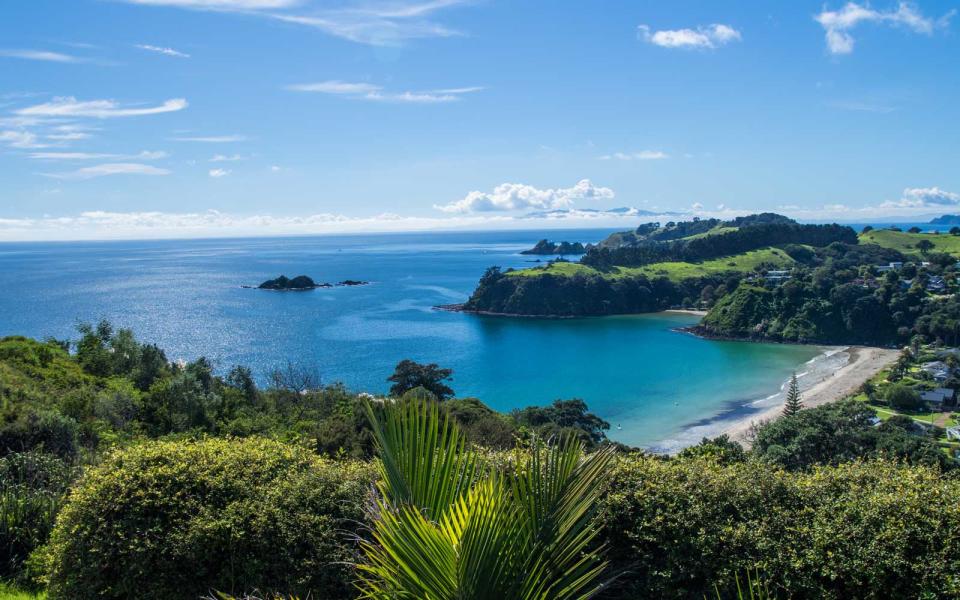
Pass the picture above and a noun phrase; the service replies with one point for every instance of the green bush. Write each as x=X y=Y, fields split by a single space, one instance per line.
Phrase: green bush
x=866 y=530
x=32 y=486
x=179 y=519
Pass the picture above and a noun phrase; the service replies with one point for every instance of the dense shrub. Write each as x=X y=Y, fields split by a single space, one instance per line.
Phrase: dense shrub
x=47 y=430
x=178 y=519
x=860 y=530
x=31 y=488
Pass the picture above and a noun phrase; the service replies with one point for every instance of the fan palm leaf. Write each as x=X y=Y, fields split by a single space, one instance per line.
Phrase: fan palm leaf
x=450 y=526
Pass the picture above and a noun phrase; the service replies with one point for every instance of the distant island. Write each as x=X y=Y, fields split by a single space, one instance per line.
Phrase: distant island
x=546 y=247
x=946 y=220
x=301 y=283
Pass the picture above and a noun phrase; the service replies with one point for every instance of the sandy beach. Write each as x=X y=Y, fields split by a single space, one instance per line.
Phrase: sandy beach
x=864 y=363
x=687 y=311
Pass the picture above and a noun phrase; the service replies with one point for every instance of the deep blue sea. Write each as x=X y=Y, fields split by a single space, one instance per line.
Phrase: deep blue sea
x=650 y=382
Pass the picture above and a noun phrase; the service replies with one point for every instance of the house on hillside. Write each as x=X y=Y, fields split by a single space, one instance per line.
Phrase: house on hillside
x=777 y=276
x=936 y=284
x=938 y=398
x=937 y=369
x=894 y=266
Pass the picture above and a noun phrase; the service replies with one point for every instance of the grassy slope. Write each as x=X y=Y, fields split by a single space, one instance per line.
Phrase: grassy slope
x=8 y=592
x=906 y=242
x=675 y=271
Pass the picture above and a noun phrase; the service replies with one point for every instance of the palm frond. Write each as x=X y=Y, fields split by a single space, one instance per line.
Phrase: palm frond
x=450 y=527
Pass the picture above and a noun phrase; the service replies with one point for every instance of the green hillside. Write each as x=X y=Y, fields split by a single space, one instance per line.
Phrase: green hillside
x=746 y=262
x=907 y=242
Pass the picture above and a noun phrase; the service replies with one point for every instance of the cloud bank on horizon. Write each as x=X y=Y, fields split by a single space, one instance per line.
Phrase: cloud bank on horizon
x=314 y=116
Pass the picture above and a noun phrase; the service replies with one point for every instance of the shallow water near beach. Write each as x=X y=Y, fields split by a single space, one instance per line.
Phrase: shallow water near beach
x=650 y=382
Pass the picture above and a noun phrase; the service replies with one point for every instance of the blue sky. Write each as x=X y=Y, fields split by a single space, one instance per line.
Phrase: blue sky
x=154 y=118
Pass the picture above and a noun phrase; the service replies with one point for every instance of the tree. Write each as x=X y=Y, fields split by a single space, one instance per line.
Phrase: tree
x=925 y=246
x=914 y=229
x=409 y=375
x=903 y=397
x=793 y=403
x=867 y=229
x=955 y=230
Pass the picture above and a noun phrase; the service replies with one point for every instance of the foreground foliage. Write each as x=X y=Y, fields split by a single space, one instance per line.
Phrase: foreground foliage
x=449 y=525
x=857 y=530
x=178 y=519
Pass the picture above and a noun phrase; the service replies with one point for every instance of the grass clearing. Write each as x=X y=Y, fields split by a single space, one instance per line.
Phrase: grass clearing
x=906 y=243
x=675 y=271
x=9 y=592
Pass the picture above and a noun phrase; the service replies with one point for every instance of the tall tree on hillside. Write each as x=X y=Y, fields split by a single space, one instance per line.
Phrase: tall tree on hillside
x=794 y=402
x=410 y=375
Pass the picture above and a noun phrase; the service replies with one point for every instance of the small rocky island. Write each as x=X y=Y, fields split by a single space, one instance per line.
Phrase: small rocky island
x=546 y=248
x=301 y=283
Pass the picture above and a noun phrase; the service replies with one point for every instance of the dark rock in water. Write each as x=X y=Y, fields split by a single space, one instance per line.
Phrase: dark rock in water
x=546 y=247
x=353 y=282
x=300 y=282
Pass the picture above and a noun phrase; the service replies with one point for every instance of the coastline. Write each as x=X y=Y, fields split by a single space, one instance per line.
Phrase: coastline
x=863 y=363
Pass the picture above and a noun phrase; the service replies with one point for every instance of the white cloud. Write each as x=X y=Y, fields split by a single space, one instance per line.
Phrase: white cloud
x=231 y=5
x=20 y=139
x=212 y=139
x=642 y=155
x=41 y=55
x=517 y=196
x=145 y=155
x=107 y=169
x=226 y=158
x=710 y=36
x=376 y=93
x=374 y=22
x=838 y=24
x=335 y=87
x=924 y=198
x=163 y=50
x=100 y=109
x=211 y=223
x=379 y=23
x=218 y=173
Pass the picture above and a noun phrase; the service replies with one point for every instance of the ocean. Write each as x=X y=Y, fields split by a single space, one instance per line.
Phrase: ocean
x=657 y=387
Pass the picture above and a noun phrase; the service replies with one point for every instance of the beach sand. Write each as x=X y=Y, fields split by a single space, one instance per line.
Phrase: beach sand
x=864 y=363
x=687 y=311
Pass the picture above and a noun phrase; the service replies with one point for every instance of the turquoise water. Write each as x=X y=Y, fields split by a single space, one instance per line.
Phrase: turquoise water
x=636 y=372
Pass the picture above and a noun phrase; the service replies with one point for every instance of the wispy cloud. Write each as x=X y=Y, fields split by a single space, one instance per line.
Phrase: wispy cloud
x=373 y=22
x=704 y=37
x=41 y=55
x=229 y=5
x=518 y=196
x=212 y=139
x=218 y=173
x=376 y=93
x=226 y=158
x=78 y=156
x=642 y=155
x=858 y=106
x=838 y=24
x=163 y=50
x=21 y=139
x=69 y=106
x=108 y=169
